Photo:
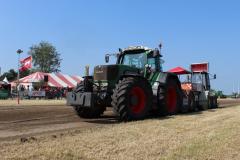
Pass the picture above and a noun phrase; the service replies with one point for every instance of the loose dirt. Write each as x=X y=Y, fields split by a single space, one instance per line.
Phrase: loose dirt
x=33 y=118
x=211 y=134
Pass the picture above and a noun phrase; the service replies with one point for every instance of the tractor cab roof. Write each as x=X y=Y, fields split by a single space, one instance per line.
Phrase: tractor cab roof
x=140 y=49
x=136 y=49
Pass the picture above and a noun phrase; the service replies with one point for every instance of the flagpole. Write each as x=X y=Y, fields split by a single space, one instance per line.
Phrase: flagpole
x=19 y=51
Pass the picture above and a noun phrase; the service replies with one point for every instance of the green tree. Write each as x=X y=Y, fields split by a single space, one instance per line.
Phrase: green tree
x=11 y=75
x=45 y=57
x=25 y=73
x=220 y=93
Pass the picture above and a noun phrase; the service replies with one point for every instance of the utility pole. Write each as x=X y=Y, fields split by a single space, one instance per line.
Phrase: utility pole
x=19 y=51
x=233 y=87
x=238 y=88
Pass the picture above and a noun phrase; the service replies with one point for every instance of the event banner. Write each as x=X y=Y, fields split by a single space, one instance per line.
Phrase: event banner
x=36 y=93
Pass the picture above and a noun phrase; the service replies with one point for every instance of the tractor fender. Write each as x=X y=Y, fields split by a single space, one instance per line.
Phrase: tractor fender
x=162 y=79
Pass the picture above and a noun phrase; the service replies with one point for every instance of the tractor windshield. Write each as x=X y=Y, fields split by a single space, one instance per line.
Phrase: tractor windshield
x=137 y=60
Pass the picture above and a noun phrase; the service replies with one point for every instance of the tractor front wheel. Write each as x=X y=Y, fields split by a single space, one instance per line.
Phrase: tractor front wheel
x=132 y=98
x=85 y=112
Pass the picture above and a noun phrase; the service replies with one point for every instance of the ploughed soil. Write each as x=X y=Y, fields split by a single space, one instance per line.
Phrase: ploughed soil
x=25 y=121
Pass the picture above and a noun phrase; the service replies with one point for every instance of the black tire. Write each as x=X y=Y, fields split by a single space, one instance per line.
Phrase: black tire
x=84 y=86
x=170 y=98
x=91 y=112
x=203 y=107
x=132 y=99
x=212 y=102
x=192 y=102
x=216 y=102
x=114 y=98
x=185 y=107
x=79 y=88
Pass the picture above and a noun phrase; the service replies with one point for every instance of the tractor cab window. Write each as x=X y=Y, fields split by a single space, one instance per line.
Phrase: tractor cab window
x=201 y=78
x=152 y=62
x=197 y=78
x=136 y=60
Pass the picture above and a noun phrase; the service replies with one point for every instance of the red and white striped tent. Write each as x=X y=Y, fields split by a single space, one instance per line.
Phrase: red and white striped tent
x=54 y=79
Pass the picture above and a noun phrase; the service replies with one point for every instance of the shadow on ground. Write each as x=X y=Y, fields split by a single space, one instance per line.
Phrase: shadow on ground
x=112 y=119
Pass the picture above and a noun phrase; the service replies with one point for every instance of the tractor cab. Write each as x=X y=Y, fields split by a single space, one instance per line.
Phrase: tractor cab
x=131 y=61
x=201 y=80
x=140 y=57
x=200 y=75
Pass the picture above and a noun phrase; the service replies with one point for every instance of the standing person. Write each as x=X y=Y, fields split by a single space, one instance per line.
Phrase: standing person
x=62 y=92
x=58 y=94
x=28 y=90
x=47 y=92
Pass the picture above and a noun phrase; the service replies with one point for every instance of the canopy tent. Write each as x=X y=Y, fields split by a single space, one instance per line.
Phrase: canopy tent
x=34 y=77
x=63 y=80
x=54 y=80
x=6 y=80
x=179 y=71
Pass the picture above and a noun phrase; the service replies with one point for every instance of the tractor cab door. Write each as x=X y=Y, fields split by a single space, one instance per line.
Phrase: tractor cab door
x=153 y=66
x=206 y=81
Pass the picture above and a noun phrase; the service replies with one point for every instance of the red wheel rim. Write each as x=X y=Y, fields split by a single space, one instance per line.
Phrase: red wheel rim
x=171 y=99
x=140 y=97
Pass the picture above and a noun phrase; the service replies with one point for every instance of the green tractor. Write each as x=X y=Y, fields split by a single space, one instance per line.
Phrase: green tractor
x=135 y=87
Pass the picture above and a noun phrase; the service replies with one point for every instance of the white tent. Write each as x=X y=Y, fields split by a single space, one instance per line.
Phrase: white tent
x=6 y=80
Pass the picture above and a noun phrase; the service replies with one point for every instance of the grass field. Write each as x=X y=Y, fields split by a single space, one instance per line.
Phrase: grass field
x=13 y=102
x=212 y=134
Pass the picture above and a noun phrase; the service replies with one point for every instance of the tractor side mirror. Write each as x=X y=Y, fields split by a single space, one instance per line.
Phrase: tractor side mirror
x=107 y=58
x=120 y=50
x=156 y=53
x=214 y=76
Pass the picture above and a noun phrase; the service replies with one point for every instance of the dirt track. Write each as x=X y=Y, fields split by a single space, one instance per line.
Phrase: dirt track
x=16 y=122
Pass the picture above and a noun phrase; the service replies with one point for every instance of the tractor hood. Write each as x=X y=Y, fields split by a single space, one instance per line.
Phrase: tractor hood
x=105 y=72
x=112 y=72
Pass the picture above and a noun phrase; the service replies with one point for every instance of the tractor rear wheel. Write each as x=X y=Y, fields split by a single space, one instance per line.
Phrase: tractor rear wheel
x=212 y=102
x=169 y=97
x=192 y=102
x=132 y=99
x=84 y=112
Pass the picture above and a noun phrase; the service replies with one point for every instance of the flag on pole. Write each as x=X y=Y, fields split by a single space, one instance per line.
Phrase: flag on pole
x=26 y=64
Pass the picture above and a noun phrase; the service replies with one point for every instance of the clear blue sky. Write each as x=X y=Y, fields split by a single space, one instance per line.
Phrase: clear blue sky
x=83 y=31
